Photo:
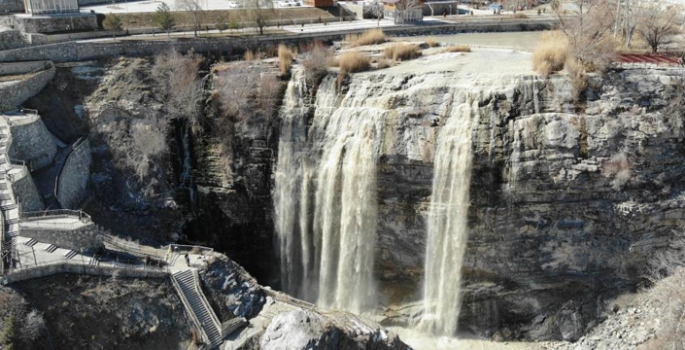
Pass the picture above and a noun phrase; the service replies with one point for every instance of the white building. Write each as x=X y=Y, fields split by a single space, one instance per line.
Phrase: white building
x=37 y=7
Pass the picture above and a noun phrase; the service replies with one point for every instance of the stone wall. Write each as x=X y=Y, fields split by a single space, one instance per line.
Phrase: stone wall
x=72 y=183
x=16 y=92
x=8 y=6
x=85 y=238
x=80 y=51
x=51 y=24
x=78 y=268
x=32 y=142
x=11 y=39
x=27 y=194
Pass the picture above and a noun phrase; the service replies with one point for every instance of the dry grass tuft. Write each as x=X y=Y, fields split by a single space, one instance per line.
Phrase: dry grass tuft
x=383 y=63
x=457 y=48
x=551 y=53
x=402 y=52
x=253 y=56
x=353 y=61
x=369 y=37
x=285 y=59
x=577 y=74
x=520 y=15
x=432 y=42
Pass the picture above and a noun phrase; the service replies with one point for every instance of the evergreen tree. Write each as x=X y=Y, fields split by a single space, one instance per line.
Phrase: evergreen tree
x=164 y=19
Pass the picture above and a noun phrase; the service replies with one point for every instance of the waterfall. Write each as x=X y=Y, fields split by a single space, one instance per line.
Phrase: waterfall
x=287 y=191
x=447 y=223
x=325 y=199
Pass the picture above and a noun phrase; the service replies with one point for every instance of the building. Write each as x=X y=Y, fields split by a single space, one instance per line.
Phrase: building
x=319 y=3
x=39 y=7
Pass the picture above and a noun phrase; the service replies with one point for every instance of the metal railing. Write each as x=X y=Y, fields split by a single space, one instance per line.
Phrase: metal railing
x=189 y=308
x=132 y=247
x=47 y=214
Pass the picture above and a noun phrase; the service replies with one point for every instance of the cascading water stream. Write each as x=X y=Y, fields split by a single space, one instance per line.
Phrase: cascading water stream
x=447 y=223
x=325 y=198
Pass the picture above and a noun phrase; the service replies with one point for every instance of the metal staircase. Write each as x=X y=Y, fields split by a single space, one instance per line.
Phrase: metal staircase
x=187 y=284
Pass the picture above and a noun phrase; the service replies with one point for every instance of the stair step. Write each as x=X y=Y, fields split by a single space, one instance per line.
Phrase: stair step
x=51 y=248
x=31 y=242
x=70 y=254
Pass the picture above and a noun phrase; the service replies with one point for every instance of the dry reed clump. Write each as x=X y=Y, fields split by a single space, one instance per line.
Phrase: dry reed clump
x=551 y=53
x=353 y=61
x=402 y=52
x=253 y=56
x=285 y=59
x=457 y=48
x=432 y=42
x=369 y=37
x=577 y=73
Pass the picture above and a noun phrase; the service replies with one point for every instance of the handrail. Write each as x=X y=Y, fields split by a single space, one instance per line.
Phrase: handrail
x=205 y=303
x=133 y=247
x=186 y=303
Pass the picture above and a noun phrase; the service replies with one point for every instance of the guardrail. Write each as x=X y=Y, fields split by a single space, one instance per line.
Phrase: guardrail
x=134 y=248
x=102 y=268
x=49 y=214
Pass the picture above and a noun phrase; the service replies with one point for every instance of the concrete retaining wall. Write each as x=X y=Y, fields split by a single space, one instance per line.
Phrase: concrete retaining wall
x=27 y=194
x=32 y=143
x=72 y=183
x=12 y=39
x=439 y=8
x=8 y=6
x=51 y=24
x=15 y=93
x=86 y=238
x=80 y=269
x=80 y=51
x=13 y=68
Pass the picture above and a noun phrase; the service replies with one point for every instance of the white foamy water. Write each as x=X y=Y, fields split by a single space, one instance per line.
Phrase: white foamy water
x=447 y=223
x=422 y=341
x=325 y=200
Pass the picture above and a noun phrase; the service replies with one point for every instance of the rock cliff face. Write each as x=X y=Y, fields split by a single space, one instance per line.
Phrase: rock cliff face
x=568 y=199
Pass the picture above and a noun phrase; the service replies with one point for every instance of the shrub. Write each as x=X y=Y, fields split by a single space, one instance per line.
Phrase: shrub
x=520 y=15
x=285 y=59
x=619 y=167
x=402 y=52
x=550 y=53
x=112 y=22
x=369 y=37
x=458 y=48
x=316 y=60
x=431 y=42
x=353 y=61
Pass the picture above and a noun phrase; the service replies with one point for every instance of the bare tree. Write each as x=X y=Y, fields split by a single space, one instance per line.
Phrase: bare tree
x=589 y=29
x=193 y=8
x=656 y=24
x=245 y=92
x=180 y=85
x=259 y=12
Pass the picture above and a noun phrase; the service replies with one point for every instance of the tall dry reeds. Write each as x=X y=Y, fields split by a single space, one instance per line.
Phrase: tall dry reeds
x=285 y=59
x=551 y=53
x=369 y=37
